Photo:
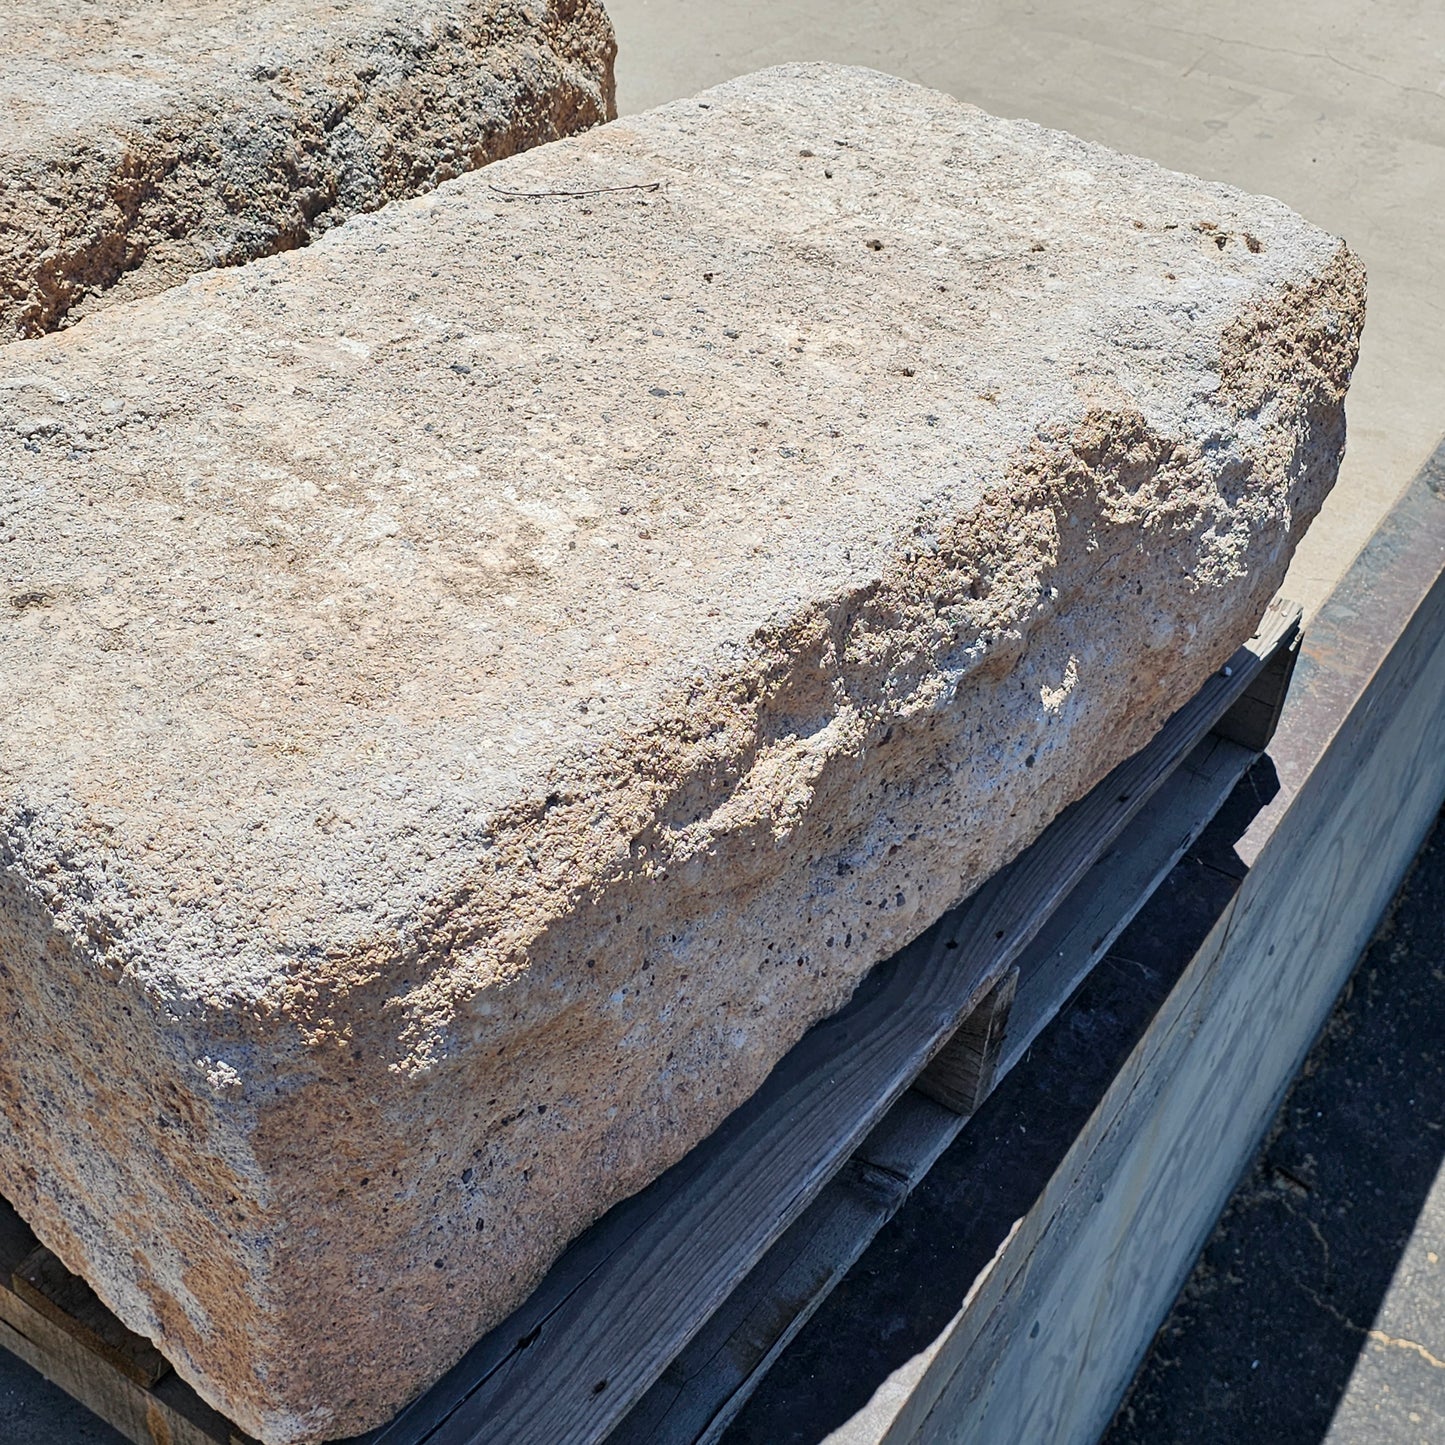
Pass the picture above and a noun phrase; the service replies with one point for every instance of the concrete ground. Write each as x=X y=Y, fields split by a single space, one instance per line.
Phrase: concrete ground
x=1335 y=106
x=1338 y=108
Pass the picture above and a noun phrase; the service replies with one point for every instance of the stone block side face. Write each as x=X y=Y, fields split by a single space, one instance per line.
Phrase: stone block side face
x=134 y=1140
x=305 y=133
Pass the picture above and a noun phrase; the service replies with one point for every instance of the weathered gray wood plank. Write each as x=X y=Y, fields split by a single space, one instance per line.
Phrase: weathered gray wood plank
x=699 y=1393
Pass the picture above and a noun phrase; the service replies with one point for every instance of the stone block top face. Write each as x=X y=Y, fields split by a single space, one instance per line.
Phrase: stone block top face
x=452 y=668
x=326 y=574
x=140 y=143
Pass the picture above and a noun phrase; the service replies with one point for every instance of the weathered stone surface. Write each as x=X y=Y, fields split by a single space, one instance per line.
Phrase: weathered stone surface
x=479 y=687
x=140 y=143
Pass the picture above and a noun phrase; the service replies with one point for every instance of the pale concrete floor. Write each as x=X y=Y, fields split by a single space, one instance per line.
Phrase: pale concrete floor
x=1335 y=106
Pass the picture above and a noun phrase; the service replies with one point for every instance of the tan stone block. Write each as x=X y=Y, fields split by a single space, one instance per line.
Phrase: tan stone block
x=479 y=688
x=140 y=143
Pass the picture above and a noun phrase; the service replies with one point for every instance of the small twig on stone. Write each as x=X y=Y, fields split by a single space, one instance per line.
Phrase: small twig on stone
x=575 y=195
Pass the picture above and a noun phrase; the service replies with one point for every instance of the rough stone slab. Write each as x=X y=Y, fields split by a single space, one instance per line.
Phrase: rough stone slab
x=480 y=687
x=142 y=142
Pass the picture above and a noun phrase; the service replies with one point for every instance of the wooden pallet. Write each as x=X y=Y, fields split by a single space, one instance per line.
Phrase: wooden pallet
x=659 y=1322
x=54 y=1322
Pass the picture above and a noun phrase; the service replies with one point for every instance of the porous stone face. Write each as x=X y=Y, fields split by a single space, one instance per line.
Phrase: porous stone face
x=140 y=143
x=479 y=688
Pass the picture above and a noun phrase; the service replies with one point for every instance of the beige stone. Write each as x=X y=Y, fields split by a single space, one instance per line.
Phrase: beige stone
x=480 y=687
x=141 y=142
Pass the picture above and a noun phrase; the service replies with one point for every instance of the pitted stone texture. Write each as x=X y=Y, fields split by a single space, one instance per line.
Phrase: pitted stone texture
x=480 y=687
x=140 y=143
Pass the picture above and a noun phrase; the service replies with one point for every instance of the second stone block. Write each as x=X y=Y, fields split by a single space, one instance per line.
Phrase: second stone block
x=141 y=143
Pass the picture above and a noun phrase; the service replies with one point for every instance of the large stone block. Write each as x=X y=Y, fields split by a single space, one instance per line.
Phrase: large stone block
x=140 y=143
x=478 y=688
